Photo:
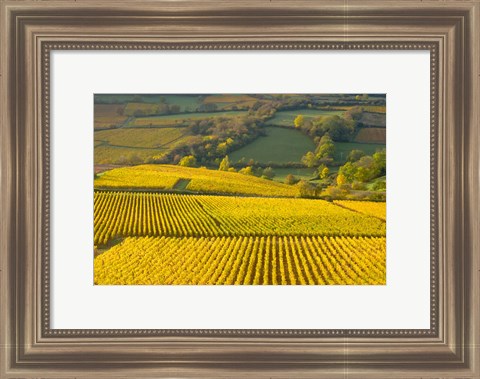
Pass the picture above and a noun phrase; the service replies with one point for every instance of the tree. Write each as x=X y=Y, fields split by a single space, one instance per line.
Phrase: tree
x=355 y=155
x=309 y=159
x=348 y=171
x=323 y=172
x=306 y=189
x=326 y=148
x=224 y=164
x=299 y=120
x=290 y=179
x=188 y=161
x=380 y=162
x=268 y=173
x=246 y=170
x=341 y=180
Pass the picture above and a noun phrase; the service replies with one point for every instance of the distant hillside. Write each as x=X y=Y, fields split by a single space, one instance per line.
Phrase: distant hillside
x=198 y=180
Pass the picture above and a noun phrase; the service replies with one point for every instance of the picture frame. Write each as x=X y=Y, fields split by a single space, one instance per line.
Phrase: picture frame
x=31 y=30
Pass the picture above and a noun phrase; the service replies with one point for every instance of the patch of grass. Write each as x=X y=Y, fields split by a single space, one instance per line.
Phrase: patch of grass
x=342 y=149
x=280 y=145
x=146 y=138
x=174 y=119
x=186 y=103
x=299 y=173
x=105 y=154
x=131 y=109
x=285 y=118
x=126 y=145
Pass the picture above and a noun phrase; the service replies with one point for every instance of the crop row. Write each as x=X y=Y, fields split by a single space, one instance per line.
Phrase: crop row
x=244 y=260
x=123 y=214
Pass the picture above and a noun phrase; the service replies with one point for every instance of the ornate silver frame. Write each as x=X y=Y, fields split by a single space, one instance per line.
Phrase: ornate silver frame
x=31 y=30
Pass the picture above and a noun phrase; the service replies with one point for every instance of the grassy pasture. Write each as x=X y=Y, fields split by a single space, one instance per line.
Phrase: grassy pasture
x=109 y=122
x=299 y=173
x=372 y=135
x=285 y=118
x=342 y=149
x=227 y=101
x=281 y=145
x=180 y=118
x=185 y=102
x=108 y=116
x=108 y=110
x=141 y=138
x=112 y=145
x=145 y=108
x=106 y=154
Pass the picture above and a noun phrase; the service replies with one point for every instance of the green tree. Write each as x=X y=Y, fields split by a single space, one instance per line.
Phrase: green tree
x=326 y=148
x=224 y=164
x=309 y=159
x=188 y=161
x=268 y=173
x=306 y=189
x=355 y=155
x=380 y=162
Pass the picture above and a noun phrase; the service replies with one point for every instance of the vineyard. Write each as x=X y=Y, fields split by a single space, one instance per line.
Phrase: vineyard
x=200 y=180
x=375 y=209
x=244 y=260
x=124 y=214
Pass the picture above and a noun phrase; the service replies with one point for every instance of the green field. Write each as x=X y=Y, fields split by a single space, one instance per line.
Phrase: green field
x=173 y=119
x=187 y=103
x=342 y=149
x=111 y=146
x=280 y=145
x=299 y=173
x=285 y=118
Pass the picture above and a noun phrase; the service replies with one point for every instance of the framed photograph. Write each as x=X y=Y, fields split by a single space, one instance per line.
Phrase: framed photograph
x=233 y=189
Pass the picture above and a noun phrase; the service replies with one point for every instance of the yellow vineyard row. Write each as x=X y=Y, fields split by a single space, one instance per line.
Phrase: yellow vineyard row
x=371 y=208
x=244 y=260
x=122 y=214
x=200 y=180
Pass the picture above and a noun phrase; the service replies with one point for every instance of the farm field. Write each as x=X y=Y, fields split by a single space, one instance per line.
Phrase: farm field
x=280 y=145
x=115 y=145
x=225 y=189
x=178 y=119
x=376 y=209
x=244 y=260
x=200 y=180
x=122 y=214
x=372 y=135
x=146 y=138
x=374 y=119
x=342 y=149
x=285 y=118
x=299 y=173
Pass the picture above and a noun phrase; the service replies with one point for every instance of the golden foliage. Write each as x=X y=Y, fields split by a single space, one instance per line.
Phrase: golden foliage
x=201 y=180
x=244 y=260
x=371 y=208
x=121 y=214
